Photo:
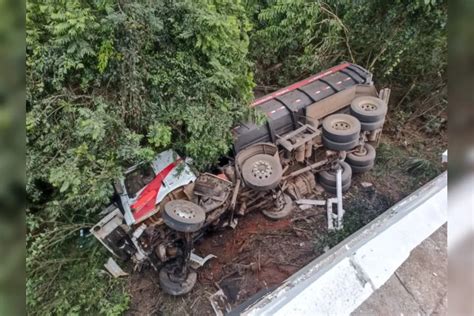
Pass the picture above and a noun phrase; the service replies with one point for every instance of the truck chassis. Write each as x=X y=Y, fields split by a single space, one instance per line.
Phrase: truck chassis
x=328 y=122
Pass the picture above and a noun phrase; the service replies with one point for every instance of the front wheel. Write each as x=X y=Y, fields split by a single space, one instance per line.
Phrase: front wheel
x=175 y=283
x=282 y=211
x=183 y=216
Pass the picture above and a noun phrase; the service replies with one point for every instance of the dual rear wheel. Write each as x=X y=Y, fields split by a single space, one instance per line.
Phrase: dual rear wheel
x=360 y=160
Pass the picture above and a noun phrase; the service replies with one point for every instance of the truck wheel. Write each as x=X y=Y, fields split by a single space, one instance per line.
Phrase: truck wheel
x=175 y=285
x=341 y=128
x=183 y=216
x=362 y=169
x=368 y=109
x=337 y=146
x=262 y=172
x=328 y=177
x=333 y=189
x=364 y=126
x=283 y=212
x=361 y=158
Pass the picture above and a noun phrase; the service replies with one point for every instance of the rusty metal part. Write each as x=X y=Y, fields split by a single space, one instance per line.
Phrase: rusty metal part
x=312 y=167
x=262 y=172
x=229 y=171
x=234 y=195
x=250 y=200
x=313 y=122
x=301 y=186
x=300 y=153
x=217 y=206
x=242 y=209
x=282 y=208
x=202 y=187
x=161 y=252
x=259 y=205
x=295 y=139
x=308 y=150
x=188 y=190
x=211 y=192
x=172 y=251
x=374 y=136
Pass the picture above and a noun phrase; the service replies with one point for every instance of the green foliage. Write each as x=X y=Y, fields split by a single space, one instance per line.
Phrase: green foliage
x=402 y=42
x=109 y=84
x=295 y=38
x=72 y=285
x=421 y=167
x=159 y=135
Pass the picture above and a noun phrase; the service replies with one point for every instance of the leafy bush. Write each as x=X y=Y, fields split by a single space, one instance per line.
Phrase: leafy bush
x=109 y=83
x=402 y=42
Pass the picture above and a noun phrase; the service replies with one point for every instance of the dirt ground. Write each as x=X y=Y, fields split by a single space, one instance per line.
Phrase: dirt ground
x=260 y=253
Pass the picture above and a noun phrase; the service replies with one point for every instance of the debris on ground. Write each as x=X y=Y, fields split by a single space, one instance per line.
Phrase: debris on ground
x=197 y=261
x=366 y=185
x=219 y=303
x=114 y=269
x=310 y=202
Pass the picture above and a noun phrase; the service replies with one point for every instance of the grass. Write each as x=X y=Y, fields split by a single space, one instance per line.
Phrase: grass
x=70 y=280
x=361 y=206
x=409 y=167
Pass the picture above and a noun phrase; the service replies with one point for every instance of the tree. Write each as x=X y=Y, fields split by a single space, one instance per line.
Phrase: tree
x=109 y=84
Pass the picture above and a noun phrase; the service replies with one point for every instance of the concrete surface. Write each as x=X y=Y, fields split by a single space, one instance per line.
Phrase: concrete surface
x=419 y=285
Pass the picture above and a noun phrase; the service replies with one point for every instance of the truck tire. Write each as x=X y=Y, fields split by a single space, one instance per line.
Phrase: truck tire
x=262 y=172
x=341 y=128
x=361 y=159
x=364 y=126
x=368 y=109
x=328 y=177
x=176 y=287
x=183 y=216
x=336 y=146
x=283 y=212
x=333 y=190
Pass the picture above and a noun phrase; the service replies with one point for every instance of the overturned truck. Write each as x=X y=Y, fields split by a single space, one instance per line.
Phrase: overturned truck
x=328 y=122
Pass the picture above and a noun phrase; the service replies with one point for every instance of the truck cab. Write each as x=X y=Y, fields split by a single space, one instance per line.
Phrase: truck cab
x=145 y=185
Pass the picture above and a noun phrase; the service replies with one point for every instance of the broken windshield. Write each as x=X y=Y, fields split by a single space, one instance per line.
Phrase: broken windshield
x=138 y=179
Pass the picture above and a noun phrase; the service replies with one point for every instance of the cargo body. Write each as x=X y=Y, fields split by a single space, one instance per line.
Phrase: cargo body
x=288 y=108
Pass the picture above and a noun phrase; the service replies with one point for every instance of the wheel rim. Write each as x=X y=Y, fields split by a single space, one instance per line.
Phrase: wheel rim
x=369 y=107
x=361 y=152
x=262 y=172
x=261 y=169
x=341 y=125
x=184 y=213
